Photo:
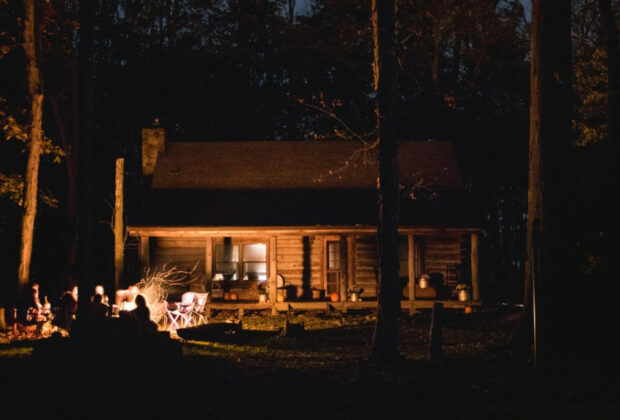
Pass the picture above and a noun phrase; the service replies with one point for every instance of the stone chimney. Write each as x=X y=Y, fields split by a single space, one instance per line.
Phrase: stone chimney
x=153 y=143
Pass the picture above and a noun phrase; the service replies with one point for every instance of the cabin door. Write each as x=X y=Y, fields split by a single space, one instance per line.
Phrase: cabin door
x=333 y=268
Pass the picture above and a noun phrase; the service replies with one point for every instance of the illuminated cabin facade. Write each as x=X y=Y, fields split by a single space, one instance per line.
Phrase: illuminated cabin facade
x=298 y=219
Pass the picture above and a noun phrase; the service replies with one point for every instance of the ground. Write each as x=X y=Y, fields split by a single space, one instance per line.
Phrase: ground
x=323 y=374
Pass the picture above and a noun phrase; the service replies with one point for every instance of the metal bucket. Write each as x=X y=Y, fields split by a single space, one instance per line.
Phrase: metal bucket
x=464 y=295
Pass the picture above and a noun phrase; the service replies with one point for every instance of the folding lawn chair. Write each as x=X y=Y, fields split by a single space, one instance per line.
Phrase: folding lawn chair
x=182 y=315
x=199 y=309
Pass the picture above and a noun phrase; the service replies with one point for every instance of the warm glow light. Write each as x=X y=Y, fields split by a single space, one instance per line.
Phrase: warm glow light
x=155 y=285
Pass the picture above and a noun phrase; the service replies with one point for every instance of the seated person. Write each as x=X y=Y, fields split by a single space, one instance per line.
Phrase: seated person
x=141 y=312
x=34 y=310
x=68 y=309
x=142 y=315
x=99 y=290
x=98 y=309
x=125 y=298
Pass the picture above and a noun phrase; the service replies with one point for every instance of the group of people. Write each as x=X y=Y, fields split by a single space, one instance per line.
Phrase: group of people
x=128 y=302
x=35 y=310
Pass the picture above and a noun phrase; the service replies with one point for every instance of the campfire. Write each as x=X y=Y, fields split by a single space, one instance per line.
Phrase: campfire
x=155 y=285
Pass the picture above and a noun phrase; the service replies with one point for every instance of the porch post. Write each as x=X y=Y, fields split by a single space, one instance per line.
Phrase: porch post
x=344 y=268
x=273 y=268
x=144 y=254
x=209 y=264
x=351 y=259
x=411 y=271
x=474 y=266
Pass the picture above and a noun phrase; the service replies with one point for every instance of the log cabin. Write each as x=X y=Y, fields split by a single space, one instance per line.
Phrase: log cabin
x=297 y=220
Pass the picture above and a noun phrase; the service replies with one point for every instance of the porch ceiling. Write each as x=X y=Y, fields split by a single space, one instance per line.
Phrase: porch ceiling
x=298 y=208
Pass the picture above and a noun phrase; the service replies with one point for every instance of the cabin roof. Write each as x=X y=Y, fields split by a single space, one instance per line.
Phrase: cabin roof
x=323 y=183
x=308 y=165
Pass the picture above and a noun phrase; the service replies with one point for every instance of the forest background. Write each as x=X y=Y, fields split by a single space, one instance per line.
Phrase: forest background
x=259 y=70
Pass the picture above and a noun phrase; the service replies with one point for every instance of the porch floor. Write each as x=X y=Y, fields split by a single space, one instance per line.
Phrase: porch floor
x=328 y=306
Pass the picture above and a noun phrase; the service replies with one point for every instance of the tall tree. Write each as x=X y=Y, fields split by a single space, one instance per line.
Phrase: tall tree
x=385 y=338
x=31 y=180
x=551 y=167
x=610 y=36
x=85 y=155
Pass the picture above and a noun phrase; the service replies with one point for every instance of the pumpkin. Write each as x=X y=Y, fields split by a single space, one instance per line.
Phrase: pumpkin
x=233 y=296
x=334 y=297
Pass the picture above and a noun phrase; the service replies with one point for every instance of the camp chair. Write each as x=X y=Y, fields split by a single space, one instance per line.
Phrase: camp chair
x=199 y=309
x=182 y=315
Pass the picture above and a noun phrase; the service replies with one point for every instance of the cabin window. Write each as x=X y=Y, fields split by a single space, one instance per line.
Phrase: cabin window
x=333 y=267
x=255 y=262
x=227 y=261
x=241 y=261
x=333 y=255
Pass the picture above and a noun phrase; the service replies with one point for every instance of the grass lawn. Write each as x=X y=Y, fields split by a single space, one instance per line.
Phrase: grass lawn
x=323 y=374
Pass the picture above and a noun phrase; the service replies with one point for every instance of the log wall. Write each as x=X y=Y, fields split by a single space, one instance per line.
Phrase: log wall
x=439 y=254
x=300 y=259
x=183 y=253
x=291 y=265
x=366 y=260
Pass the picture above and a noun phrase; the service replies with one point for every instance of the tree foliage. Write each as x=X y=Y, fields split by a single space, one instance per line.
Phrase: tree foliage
x=253 y=70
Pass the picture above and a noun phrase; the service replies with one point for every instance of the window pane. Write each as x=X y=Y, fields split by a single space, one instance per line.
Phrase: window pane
x=333 y=255
x=226 y=253
x=226 y=267
x=254 y=270
x=255 y=252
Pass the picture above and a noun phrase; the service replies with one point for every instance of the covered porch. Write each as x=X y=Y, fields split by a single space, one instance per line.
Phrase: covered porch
x=409 y=306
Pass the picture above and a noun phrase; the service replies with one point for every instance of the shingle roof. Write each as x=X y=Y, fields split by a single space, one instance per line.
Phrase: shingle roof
x=274 y=165
x=290 y=184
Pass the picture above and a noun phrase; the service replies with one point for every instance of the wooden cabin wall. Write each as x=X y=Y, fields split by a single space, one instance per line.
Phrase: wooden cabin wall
x=182 y=253
x=439 y=254
x=290 y=260
x=366 y=260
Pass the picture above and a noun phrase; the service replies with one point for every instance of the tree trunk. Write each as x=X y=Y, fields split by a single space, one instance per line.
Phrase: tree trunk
x=385 y=338
x=119 y=229
x=610 y=37
x=86 y=185
x=31 y=180
x=549 y=252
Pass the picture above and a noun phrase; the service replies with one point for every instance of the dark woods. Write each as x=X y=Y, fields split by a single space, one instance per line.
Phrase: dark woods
x=252 y=70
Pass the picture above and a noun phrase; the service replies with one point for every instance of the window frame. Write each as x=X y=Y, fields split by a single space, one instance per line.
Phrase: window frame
x=240 y=264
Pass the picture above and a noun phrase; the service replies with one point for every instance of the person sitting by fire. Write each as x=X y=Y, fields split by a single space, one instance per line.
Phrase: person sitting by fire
x=141 y=312
x=68 y=308
x=125 y=298
x=34 y=310
x=99 y=290
x=99 y=310
x=142 y=315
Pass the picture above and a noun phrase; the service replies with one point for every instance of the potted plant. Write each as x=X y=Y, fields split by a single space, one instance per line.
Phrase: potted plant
x=355 y=293
x=463 y=291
